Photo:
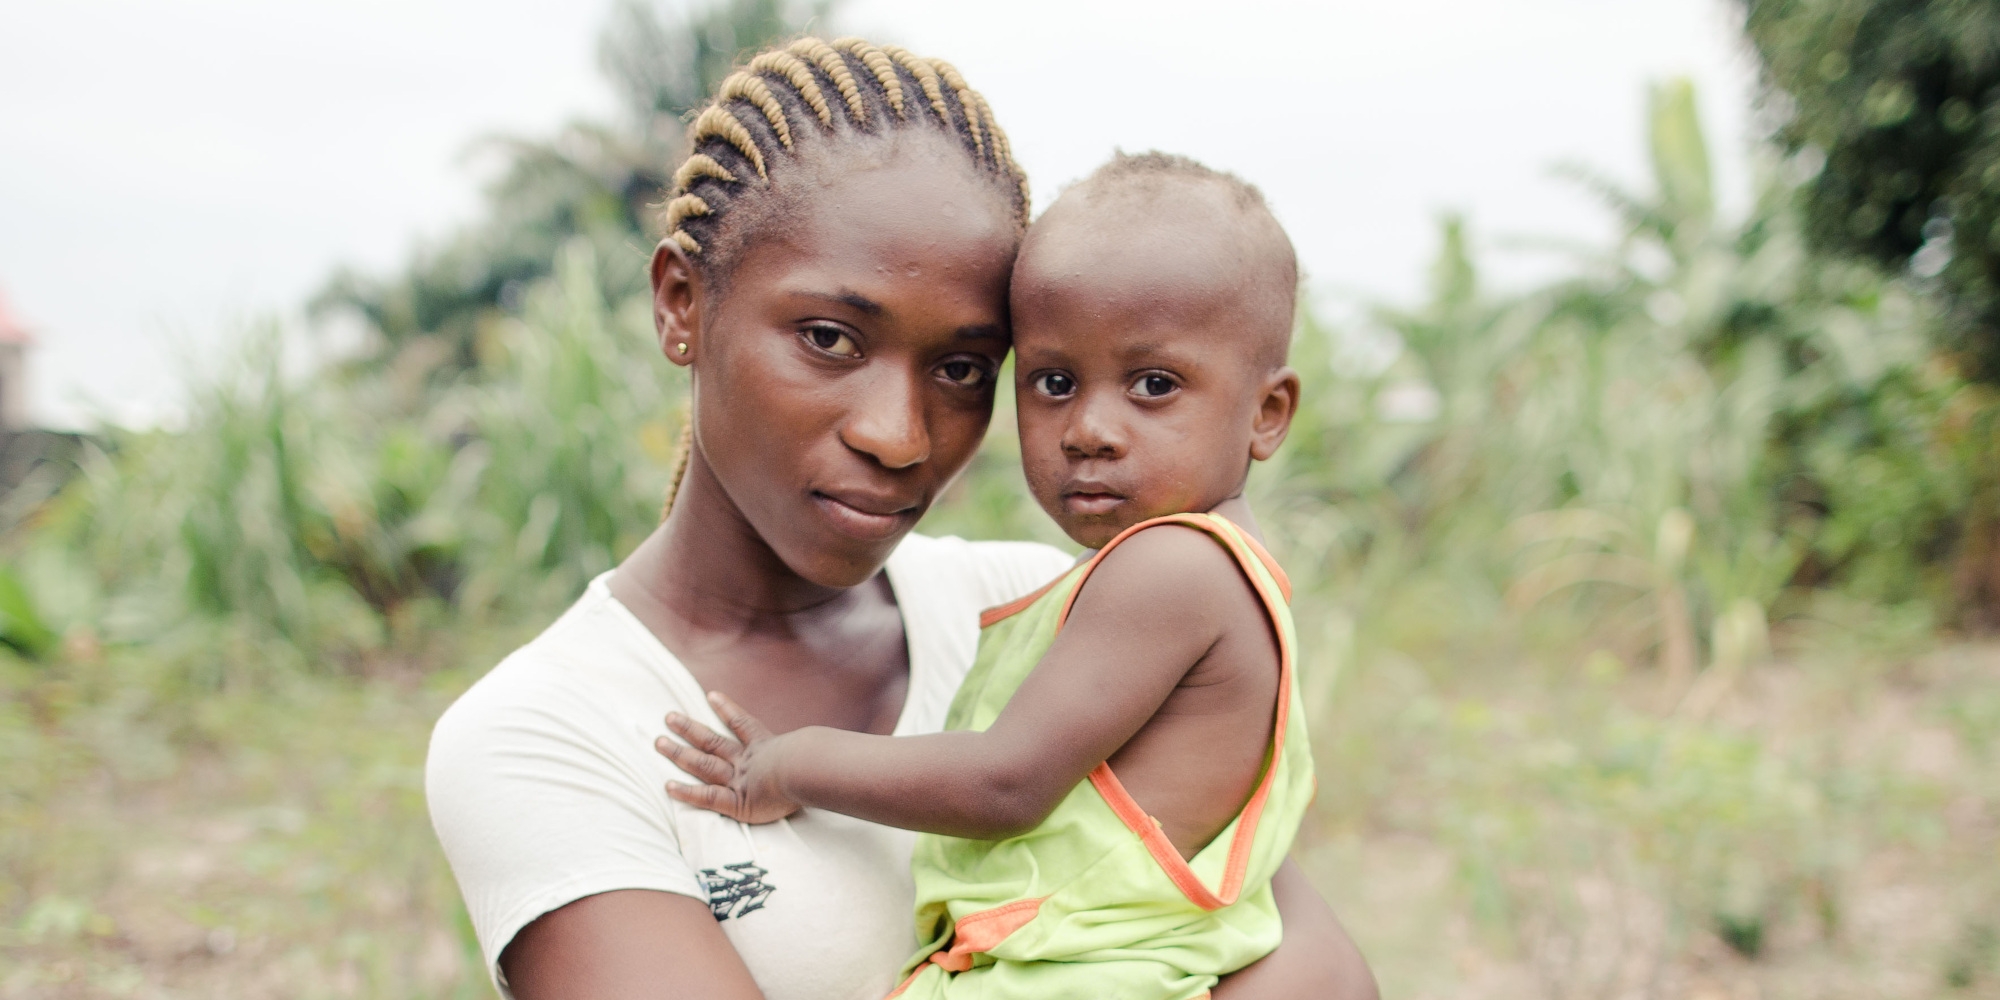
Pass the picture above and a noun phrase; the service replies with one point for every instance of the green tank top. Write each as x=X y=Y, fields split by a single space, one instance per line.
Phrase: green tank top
x=1096 y=902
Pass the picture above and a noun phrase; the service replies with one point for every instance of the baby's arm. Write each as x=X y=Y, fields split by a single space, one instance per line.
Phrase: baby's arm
x=1148 y=613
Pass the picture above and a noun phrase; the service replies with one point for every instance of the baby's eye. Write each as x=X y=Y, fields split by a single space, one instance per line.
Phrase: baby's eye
x=1054 y=384
x=833 y=340
x=959 y=371
x=1153 y=385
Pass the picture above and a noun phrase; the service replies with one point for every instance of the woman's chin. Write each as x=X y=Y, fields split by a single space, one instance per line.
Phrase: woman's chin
x=832 y=559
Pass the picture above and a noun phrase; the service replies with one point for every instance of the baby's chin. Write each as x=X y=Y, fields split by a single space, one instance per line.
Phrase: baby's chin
x=1095 y=526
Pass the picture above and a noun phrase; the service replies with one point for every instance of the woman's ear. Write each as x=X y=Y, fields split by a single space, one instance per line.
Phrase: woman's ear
x=1275 y=410
x=676 y=302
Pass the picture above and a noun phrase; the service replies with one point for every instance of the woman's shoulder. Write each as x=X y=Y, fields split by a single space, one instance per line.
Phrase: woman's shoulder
x=578 y=682
x=989 y=572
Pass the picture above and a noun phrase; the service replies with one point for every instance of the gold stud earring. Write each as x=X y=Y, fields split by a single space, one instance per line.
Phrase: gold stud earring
x=681 y=348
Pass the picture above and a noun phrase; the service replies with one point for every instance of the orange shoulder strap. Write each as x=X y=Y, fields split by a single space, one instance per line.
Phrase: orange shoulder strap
x=1113 y=791
x=1239 y=543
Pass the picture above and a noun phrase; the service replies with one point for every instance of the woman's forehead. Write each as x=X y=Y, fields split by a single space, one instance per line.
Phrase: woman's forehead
x=907 y=217
x=903 y=196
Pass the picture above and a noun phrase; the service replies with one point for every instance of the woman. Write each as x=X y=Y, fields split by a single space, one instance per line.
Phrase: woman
x=836 y=279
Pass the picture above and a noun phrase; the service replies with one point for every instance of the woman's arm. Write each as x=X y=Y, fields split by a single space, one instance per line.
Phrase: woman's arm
x=632 y=944
x=1316 y=958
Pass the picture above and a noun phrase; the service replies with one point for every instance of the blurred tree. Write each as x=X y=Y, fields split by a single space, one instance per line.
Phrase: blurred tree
x=1902 y=99
x=592 y=180
x=1698 y=427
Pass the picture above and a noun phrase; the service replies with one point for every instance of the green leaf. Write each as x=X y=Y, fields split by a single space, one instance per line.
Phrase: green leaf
x=21 y=627
x=1680 y=157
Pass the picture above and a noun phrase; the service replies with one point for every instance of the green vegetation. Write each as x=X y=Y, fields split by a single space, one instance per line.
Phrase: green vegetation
x=1639 y=607
x=597 y=182
x=1901 y=100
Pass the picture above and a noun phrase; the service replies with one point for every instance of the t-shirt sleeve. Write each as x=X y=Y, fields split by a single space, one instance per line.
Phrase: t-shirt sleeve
x=1007 y=570
x=539 y=801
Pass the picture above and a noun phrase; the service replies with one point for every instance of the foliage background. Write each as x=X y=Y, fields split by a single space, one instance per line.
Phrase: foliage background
x=1643 y=608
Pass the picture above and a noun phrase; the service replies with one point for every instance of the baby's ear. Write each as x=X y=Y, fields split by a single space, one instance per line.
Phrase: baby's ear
x=1276 y=405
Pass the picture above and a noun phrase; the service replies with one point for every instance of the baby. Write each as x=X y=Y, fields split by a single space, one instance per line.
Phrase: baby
x=1125 y=765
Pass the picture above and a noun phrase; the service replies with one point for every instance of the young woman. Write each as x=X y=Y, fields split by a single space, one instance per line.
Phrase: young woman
x=836 y=280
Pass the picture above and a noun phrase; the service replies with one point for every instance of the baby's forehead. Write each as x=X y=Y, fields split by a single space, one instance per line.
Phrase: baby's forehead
x=1173 y=242
x=1202 y=214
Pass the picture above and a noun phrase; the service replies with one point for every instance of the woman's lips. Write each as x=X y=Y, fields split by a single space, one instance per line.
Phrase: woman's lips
x=1090 y=504
x=863 y=524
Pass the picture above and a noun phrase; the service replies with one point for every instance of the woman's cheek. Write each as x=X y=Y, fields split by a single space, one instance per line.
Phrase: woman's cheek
x=960 y=427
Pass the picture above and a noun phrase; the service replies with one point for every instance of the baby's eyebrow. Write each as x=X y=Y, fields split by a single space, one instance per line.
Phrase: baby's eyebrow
x=1157 y=350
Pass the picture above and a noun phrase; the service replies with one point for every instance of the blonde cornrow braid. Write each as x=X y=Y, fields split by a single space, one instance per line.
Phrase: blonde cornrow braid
x=698 y=166
x=1001 y=152
x=966 y=102
x=795 y=72
x=682 y=453
x=760 y=118
x=1003 y=149
x=723 y=125
x=683 y=208
x=927 y=78
x=752 y=89
x=835 y=68
x=878 y=63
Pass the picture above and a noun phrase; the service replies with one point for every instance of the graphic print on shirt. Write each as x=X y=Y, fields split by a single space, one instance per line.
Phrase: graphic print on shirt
x=734 y=890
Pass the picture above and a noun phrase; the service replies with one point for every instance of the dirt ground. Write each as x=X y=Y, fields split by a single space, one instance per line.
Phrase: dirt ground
x=273 y=843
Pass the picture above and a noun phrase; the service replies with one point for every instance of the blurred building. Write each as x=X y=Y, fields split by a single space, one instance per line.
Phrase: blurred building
x=14 y=343
x=26 y=453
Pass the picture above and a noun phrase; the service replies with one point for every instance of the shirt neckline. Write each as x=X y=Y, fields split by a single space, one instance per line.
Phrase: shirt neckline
x=916 y=629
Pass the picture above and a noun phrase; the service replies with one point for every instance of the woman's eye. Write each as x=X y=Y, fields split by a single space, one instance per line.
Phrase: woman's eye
x=833 y=340
x=1154 y=385
x=963 y=373
x=1054 y=384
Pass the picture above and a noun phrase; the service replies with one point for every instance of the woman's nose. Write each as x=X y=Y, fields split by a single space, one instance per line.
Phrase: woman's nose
x=887 y=423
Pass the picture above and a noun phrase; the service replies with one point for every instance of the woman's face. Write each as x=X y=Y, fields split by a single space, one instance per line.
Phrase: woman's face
x=845 y=372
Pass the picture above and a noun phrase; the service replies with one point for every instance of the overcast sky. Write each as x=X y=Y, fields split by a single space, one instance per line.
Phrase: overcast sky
x=171 y=170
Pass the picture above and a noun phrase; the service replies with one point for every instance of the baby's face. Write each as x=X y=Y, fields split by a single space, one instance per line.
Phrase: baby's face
x=1138 y=394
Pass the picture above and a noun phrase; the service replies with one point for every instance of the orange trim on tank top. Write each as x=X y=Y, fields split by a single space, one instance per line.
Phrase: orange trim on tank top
x=977 y=932
x=1113 y=791
x=983 y=931
x=1277 y=571
x=999 y=612
x=907 y=980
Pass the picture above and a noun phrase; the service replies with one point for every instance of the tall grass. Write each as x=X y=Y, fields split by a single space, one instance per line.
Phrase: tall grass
x=319 y=516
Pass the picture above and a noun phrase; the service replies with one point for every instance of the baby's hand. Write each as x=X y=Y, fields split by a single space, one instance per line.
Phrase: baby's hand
x=741 y=776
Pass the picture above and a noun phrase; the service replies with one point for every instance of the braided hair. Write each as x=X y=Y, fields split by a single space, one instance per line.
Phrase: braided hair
x=813 y=91
x=767 y=116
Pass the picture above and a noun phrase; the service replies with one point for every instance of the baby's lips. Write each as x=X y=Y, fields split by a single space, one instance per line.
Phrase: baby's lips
x=1089 y=503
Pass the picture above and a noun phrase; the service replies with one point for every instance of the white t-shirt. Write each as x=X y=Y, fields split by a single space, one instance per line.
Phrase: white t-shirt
x=544 y=786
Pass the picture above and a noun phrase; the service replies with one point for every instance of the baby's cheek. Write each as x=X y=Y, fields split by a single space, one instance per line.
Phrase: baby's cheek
x=1043 y=466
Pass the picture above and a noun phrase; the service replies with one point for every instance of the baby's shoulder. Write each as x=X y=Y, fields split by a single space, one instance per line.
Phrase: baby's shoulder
x=1177 y=566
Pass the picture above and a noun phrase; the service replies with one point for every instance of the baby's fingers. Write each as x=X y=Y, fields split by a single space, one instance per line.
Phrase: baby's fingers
x=746 y=726
x=713 y=798
x=701 y=737
x=705 y=766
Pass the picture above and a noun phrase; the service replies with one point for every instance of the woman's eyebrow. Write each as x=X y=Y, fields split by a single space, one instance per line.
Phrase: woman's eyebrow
x=854 y=300
x=981 y=331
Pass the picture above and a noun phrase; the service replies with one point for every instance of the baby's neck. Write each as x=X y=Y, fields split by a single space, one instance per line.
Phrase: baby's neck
x=1238 y=510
